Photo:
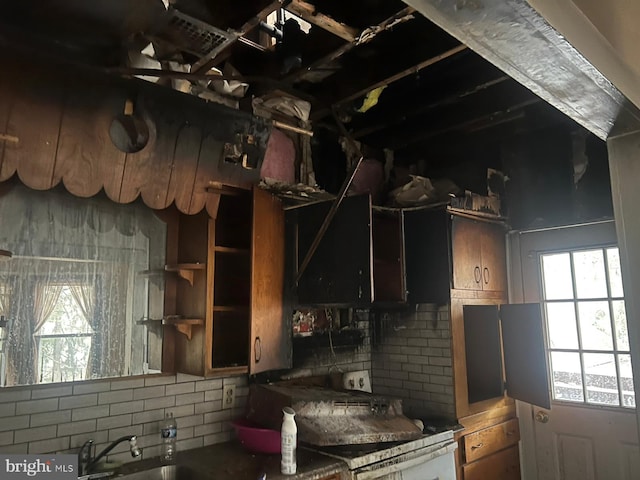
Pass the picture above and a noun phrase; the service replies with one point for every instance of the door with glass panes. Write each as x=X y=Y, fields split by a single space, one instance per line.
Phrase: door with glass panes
x=590 y=431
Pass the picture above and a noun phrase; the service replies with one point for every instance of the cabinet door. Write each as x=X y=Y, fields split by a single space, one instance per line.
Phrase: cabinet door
x=494 y=261
x=340 y=269
x=466 y=241
x=388 y=258
x=524 y=354
x=427 y=254
x=270 y=340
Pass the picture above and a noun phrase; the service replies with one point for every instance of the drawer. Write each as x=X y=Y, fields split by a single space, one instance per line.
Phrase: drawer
x=504 y=465
x=489 y=440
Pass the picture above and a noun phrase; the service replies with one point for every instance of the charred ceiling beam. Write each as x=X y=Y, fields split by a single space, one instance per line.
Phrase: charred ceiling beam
x=488 y=105
x=362 y=75
x=515 y=38
x=442 y=148
x=407 y=114
x=367 y=35
x=309 y=13
x=205 y=63
x=400 y=75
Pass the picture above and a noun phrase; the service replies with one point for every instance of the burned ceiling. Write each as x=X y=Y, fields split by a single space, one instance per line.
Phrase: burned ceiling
x=397 y=80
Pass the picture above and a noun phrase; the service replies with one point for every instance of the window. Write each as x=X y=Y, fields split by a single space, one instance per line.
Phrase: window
x=587 y=338
x=64 y=338
x=74 y=292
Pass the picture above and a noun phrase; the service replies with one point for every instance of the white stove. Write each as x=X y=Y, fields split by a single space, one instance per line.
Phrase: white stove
x=430 y=457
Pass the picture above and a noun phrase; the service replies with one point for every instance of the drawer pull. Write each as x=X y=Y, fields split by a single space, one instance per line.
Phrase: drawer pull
x=510 y=433
x=475 y=447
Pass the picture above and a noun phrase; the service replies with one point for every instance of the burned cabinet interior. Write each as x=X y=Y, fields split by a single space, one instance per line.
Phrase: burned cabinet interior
x=227 y=294
x=360 y=260
x=340 y=270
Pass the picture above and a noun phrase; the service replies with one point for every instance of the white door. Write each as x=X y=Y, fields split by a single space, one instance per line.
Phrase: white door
x=590 y=432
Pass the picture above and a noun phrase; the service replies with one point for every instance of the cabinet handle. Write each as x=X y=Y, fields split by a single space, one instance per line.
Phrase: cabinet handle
x=477 y=275
x=257 y=349
x=476 y=447
x=485 y=275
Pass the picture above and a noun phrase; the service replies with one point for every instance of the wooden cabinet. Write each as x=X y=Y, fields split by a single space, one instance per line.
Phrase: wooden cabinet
x=504 y=465
x=446 y=250
x=490 y=440
x=340 y=270
x=497 y=350
x=478 y=255
x=236 y=291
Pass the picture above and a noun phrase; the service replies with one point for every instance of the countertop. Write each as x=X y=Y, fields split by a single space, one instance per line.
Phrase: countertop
x=229 y=461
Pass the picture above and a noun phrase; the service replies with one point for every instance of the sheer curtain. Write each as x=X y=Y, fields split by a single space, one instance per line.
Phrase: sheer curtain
x=92 y=247
x=45 y=300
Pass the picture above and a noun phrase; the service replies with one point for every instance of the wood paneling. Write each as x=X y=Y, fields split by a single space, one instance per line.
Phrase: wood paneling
x=86 y=156
x=35 y=119
x=62 y=122
x=185 y=163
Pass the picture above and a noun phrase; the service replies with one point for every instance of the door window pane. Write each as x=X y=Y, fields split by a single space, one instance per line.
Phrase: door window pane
x=626 y=381
x=595 y=325
x=557 y=283
x=620 y=322
x=615 y=277
x=567 y=376
x=601 y=378
x=561 y=319
x=589 y=361
x=591 y=281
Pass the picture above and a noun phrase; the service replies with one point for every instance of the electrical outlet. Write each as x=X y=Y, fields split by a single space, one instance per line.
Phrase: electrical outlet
x=228 y=396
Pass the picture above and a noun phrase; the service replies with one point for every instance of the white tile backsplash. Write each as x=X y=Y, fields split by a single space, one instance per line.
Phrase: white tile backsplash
x=60 y=418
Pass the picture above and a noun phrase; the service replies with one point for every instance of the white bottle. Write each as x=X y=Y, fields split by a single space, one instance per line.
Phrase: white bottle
x=169 y=432
x=289 y=434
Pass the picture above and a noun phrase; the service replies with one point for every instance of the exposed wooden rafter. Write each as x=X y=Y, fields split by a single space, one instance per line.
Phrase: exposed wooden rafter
x=370 y=32
x=406 y=114
x=390 y=79
x=308 y=12
x=205 y=63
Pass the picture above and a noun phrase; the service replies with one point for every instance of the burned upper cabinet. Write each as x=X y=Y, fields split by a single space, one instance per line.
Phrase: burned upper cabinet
x=340 y=270
x=446 y=251
x=389 y=275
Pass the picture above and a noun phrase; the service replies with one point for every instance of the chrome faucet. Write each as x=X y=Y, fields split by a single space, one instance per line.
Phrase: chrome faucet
x=86 y=462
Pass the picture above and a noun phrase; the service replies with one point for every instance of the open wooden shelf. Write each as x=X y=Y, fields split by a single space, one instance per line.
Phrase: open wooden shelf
x=183 y=325
x=240 y=251
x=231 y=308
x=186 y=270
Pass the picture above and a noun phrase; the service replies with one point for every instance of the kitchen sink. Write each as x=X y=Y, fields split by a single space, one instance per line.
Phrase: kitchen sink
x=166 y=472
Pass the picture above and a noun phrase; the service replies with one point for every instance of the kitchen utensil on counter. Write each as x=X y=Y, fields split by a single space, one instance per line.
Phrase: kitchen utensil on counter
x=256 y=439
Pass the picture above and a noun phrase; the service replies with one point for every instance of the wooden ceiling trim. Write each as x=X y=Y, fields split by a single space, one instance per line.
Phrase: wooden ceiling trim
x=308 y=12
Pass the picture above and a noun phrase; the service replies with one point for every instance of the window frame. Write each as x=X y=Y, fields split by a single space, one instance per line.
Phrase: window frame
x=575 y=300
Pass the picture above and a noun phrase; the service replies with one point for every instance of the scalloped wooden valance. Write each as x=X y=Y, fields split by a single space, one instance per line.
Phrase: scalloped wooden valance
x=61 y=119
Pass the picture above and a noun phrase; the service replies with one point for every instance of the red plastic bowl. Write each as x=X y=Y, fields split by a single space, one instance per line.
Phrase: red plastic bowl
x=256 y=439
